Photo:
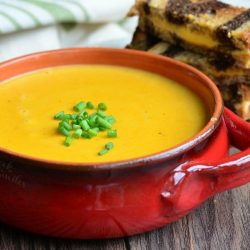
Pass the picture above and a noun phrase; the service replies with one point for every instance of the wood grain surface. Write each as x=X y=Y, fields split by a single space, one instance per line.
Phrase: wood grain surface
x=222 y=223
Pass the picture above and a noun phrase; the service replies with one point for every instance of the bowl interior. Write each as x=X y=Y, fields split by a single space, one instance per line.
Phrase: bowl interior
x=184 y=74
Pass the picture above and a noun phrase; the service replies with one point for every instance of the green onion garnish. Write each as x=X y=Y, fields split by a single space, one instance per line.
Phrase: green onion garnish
x=74 y=116
x=83 y=114
x=63 y=131
x=110 y=119
x=103 y=123
x=59 y=116
x=109 y=145
x=75 y=126
x=103 y=152
x=66 y=125
x=67 y=117
x=90 y=105
x=78 y=133
x=101 y=113
x=96 y=129
x=86 y=125
x=92 y=132
x=68 y=141
x=112 y=133
x=102 y=106
x=92 y=121
x=86 y=135
x=80 y=106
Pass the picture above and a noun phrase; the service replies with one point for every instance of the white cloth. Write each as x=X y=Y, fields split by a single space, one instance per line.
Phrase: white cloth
x=28 y=26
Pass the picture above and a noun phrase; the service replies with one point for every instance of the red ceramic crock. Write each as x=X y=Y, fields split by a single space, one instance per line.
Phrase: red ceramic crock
x=116 y=199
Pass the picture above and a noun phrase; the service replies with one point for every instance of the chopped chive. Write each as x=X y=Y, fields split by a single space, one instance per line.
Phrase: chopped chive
x=83 y=114
x=86 y=135
x=103 y=152
x=59 y=115
x=84 y=124
x=109 y=145
x=66 y=125
x=74 y=122
x=96 y=129
x=110 y=119
x=78 y=133
x=103 y=123
x=90 y=105
x=101 y=113
x=92 y=121
x=80 y=118
x=75 y=126
x=80 y=106
x=63 y=131
x=74 y=116
x=93 y=115
x=67 y=117
x=92 y=132
x=68 y=141
x=112 y=133
x=102 y=106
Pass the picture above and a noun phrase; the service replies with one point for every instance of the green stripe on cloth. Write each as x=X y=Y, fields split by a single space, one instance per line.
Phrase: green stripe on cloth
x=33 y=17
x=121 y=22
x=12 y=20
x=83 y=9
x=60 y=13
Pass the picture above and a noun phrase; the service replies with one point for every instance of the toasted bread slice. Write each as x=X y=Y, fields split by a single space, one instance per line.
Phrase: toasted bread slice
x=206 y=26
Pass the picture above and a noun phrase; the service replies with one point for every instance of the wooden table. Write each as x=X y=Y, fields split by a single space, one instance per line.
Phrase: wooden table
x=223 y=222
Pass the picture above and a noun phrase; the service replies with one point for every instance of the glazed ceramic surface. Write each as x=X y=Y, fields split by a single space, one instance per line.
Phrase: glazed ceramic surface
x=123 y=198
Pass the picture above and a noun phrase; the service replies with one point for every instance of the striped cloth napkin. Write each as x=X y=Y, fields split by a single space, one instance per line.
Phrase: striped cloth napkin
x=28 y=26
x=33 y=25
x=18 y=15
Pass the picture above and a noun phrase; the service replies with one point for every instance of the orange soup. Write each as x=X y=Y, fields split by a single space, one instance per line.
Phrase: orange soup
x=152 y=113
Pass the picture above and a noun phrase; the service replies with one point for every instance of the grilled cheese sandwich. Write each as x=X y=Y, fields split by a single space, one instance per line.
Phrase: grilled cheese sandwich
x=206 y=26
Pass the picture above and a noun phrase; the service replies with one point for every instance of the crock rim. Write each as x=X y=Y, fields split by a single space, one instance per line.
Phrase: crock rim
x=158 y=157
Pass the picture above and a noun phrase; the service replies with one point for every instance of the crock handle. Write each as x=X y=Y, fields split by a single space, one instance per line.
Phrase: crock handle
x=193 y=182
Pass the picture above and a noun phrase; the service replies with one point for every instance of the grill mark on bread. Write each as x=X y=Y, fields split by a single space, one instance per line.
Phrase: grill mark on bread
x=222 y=61
x=177 y=11
x=141 y=41
x=208 y=7
x=173 y=51
x=146 y=8
x=149 y=27
x=223 y=32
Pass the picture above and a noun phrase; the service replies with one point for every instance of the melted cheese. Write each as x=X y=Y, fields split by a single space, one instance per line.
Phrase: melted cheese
x=166 y=29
